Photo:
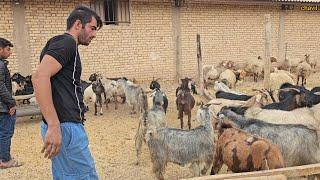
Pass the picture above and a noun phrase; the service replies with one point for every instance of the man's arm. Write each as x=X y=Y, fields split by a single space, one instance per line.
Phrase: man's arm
x=49 y=66
x=5 y=95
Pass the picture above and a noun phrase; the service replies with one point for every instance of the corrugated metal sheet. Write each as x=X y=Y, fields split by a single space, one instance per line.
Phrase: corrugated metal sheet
x=301 y=1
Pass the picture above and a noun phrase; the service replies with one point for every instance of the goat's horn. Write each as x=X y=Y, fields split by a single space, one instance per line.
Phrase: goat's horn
x=317 y=93
x=288 y=89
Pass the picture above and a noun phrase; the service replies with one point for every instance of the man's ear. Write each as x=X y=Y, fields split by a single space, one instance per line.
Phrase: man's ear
x=78 y=24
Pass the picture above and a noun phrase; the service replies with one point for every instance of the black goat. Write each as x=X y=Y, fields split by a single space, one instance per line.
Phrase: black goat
x=231 y=96
x=295 y=100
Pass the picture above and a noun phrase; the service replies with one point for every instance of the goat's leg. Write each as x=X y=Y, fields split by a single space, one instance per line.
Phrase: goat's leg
x=138 y=142
x=217 y=162
x=133 y=109
x=195 y=168
x=298 y=80
x=115 y=102
x=189 y=119
x=95 y=108
x=180 y=116
x=123 y=100
x=207 y=165
x=101 y=111
x=158 y=168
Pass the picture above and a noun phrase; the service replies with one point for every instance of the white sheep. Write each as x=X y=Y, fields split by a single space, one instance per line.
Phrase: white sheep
x=229 y=78
x=303 y=72
x=307 y=116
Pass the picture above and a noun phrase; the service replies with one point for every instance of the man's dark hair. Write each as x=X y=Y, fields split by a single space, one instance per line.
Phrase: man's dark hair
x=4 y=43
x=84 y=14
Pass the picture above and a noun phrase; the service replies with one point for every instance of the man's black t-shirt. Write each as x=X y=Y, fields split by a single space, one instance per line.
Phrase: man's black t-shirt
x=66 y=90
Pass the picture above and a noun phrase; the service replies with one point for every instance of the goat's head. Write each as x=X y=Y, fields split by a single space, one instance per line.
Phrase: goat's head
x=158 y=97
x=93 y=77
x=204 y=113
x=154 y=84
x=307 y=58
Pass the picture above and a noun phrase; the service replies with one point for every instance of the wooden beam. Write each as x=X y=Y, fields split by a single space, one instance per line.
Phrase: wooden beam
x=23 y=97
x=200 y=67
x=267 y=62
x=289 y=172
x=28 y=110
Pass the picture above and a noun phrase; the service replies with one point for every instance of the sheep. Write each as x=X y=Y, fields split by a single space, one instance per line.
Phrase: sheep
x=279 y=78
x=299 y=144
x=255 y=67
x=303 y=72
x=195 y=146
x=210 y=74
x=243 y=152
x=154 y=117
x=229 y=78
x=184 y=102
x=297 y=116
x=132 y=92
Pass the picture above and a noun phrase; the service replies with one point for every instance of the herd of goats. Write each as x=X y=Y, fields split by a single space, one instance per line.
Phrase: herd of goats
x=272 y=129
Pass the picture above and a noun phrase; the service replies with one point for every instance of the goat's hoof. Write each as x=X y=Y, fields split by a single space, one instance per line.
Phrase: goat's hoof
x=95 y=114
x=101 y=113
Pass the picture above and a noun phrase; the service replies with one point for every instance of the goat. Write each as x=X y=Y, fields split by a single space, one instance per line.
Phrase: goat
x=154 y=117
x=195 y=146
x=154 y=85
x=184 y=102
x=243 y=152
x=98 y=89
x=231 y=96
x=220 y=86
x=191 y=86
x=298 y=99
x=299 y=144
x=132 y=92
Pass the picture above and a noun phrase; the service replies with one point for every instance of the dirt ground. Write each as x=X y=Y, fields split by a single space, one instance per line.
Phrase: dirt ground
x=111 y=138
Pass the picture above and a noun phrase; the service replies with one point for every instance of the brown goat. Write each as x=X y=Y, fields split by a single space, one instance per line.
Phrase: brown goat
x=243 y=152
x=185 y=101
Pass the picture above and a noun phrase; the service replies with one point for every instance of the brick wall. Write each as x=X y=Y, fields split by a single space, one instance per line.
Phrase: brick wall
x=6 y=30
x=146 y=47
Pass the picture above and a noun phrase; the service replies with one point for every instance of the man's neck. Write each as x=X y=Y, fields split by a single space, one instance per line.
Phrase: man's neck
x=75 y=37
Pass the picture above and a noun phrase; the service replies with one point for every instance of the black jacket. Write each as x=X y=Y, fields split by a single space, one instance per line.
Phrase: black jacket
x=6 y=100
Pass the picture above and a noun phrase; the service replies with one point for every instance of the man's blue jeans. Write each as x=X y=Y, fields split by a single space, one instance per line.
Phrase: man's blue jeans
x=7 y=123
x=74 y=161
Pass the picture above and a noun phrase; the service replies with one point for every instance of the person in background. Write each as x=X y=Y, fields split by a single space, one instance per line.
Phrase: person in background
x=7 y=108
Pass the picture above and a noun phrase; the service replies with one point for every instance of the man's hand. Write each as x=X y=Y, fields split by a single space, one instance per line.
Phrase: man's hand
x=12 y=110
x=52 y=141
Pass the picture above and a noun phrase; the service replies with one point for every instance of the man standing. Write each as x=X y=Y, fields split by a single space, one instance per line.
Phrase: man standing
x=57 y=87
x=7 y=108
